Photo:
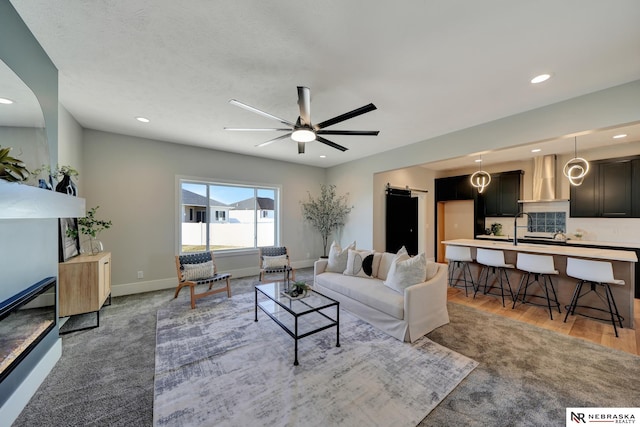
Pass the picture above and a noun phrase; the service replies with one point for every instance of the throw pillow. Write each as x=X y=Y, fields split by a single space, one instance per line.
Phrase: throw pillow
x=406 y=272
x=337 y=262
x=277 y=261
x=362 y=263
x=199 y=271
x=432 y=269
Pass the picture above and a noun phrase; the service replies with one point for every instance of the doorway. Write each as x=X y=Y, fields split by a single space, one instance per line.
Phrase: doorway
x=455 y=221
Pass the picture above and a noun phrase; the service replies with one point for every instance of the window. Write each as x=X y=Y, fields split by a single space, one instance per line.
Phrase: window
x=241 y=217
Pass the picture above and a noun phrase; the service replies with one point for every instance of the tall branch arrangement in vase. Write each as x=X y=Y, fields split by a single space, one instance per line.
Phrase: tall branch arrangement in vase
x=327 y=212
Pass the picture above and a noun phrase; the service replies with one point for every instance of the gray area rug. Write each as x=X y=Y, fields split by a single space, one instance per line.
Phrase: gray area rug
x=215 y=366
x=527 y=375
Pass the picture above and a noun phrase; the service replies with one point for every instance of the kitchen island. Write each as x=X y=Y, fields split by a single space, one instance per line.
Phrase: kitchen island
x=623 y=262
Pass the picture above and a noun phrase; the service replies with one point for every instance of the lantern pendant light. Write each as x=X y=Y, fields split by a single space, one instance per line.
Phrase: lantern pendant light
x=577 y=168
x=480 y=179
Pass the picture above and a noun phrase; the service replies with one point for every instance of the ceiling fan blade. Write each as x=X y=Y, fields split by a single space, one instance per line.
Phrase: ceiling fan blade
x=286 y=135
x=346 y=116
x=330 y=144
x=304 y=102
x=262 y=113
x=259 y=129
x=300 y=147
x=348 y=132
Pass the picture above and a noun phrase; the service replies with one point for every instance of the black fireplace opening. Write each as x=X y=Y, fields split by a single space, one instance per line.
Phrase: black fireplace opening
x=24 y=325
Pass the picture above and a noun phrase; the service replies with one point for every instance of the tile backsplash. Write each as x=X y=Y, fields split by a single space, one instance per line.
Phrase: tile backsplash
x=549 y=222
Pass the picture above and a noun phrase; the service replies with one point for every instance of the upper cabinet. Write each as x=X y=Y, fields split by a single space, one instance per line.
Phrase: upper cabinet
x=454 y=188
x=502 y=194
x=611 y=189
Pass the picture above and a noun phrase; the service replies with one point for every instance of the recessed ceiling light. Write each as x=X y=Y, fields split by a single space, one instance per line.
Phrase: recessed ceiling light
x=541 y=78
x=322 y=156
x=5 y=101
x=622 y=135
x=142 y=119
x=477 y=160
x=536 y=150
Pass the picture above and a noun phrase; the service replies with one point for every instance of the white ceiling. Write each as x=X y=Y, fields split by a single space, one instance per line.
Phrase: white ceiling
x=431 y=67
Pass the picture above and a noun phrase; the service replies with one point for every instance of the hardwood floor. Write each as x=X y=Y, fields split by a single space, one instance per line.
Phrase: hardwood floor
x=576 y=326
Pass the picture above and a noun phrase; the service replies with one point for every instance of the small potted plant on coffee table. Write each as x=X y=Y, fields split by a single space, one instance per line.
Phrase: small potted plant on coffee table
x=298 y=290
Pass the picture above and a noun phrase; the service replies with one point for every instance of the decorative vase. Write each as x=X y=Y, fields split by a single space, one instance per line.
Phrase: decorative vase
x=96 y=246
x=67 y=186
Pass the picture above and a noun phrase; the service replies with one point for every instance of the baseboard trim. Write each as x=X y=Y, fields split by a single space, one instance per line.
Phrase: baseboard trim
x=171 y=282
x=19 y=399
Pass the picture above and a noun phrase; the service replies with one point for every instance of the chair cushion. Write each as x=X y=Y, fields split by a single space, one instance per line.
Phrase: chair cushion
x=198 y=271
x=279 y=261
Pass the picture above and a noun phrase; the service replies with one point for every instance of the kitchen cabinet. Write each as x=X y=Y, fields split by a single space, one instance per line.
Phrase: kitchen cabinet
x=84 y=283
x=454 y=188
x=611 y=189
x=502 y=194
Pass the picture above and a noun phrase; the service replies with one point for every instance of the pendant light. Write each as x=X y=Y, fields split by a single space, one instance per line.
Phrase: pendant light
x=576 y=169
x=480 y=179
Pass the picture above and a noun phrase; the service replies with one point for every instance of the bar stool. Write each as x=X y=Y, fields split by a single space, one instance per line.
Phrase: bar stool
x=459 y=258
x=493 y=263
x=596 y=273
x=541 y=267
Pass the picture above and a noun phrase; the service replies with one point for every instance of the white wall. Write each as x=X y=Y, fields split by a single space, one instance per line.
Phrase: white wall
x=133 y=180
x=70 y=144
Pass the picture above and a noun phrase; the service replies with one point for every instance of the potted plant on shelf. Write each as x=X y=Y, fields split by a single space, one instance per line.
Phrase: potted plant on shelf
x=12 y=169
x=91 y=226
x=327 y=212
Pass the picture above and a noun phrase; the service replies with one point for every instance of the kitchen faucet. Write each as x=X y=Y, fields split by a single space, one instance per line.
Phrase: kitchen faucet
x=515 y=225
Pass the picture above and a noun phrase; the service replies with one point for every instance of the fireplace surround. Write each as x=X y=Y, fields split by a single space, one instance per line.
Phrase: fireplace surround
x=24 y=325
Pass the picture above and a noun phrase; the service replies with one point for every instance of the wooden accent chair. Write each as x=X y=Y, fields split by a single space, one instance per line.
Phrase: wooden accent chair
x=276 y=260
x=200 y=269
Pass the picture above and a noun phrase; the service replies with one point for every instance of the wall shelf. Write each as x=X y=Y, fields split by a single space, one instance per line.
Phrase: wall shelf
x=21 y=201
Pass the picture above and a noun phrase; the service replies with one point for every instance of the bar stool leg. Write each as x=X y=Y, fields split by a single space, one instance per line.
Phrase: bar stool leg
x=546 y=292
x=555 y=296
x=610 y=300
x=574 y=301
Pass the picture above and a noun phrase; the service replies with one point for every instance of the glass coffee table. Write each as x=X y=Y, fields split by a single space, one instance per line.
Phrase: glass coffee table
x=298 y=317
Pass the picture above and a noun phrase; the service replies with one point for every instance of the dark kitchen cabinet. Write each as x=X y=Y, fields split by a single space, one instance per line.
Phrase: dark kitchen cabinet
x=611 y=189
x=502 y=194
x=454 y=188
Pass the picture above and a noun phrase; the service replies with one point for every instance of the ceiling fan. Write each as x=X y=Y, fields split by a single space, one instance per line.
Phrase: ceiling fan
x=303 y=130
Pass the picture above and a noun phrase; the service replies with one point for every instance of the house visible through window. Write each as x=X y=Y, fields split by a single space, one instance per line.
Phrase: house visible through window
x=241 y=217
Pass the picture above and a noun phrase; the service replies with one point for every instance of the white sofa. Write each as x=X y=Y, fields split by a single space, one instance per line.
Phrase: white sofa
x=406 y=316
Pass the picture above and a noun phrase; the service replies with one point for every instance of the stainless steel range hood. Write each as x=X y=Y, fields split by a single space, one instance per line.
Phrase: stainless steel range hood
x=544 y=180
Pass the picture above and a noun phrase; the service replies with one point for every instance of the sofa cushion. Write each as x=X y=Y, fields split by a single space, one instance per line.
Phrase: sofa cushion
x=337 y=261
x=362 y=263
x=406 y=272
x=371 y=292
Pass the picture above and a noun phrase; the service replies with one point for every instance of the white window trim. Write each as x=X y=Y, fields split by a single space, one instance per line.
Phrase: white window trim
x=218 y=181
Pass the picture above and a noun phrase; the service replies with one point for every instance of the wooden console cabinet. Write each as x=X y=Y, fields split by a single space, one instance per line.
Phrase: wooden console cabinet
x=84 y=283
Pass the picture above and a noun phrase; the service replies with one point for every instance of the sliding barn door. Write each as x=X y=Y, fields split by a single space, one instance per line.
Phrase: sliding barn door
x=401 y=221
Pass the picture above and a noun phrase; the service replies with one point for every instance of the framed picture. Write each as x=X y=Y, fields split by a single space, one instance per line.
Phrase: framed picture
x=69 y=247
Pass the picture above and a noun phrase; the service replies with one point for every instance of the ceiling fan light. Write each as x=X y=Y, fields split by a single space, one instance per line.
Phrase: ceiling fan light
x=303 y=135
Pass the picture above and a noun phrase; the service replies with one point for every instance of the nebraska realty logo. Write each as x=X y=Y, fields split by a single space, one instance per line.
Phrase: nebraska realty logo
x=602 y=416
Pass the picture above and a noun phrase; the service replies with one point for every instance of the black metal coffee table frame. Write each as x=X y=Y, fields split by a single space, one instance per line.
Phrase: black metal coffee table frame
x=297 y=308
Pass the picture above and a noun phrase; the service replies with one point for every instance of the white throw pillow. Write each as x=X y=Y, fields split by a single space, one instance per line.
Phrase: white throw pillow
x=432 y=269
x=362 y=263
x=277 y=261
x=406 y=272
x=338 y=257
x=203 y=270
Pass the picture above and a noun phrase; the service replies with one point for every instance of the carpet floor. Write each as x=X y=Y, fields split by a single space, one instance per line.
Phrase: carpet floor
x=216 y=366
x=527 y=375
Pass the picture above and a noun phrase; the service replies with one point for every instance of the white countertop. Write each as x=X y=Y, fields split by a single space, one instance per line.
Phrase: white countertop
x=578 y=242
x=569 y=250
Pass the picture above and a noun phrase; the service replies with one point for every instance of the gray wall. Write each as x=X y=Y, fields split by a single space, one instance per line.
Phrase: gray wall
x=133 y=180
x=607 y=108
x=28 y=248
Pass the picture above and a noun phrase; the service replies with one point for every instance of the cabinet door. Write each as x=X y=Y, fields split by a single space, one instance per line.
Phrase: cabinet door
x=585 y=198
x=635 y=190
x=510 y=184
x=491 y=196
x=615 y=189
